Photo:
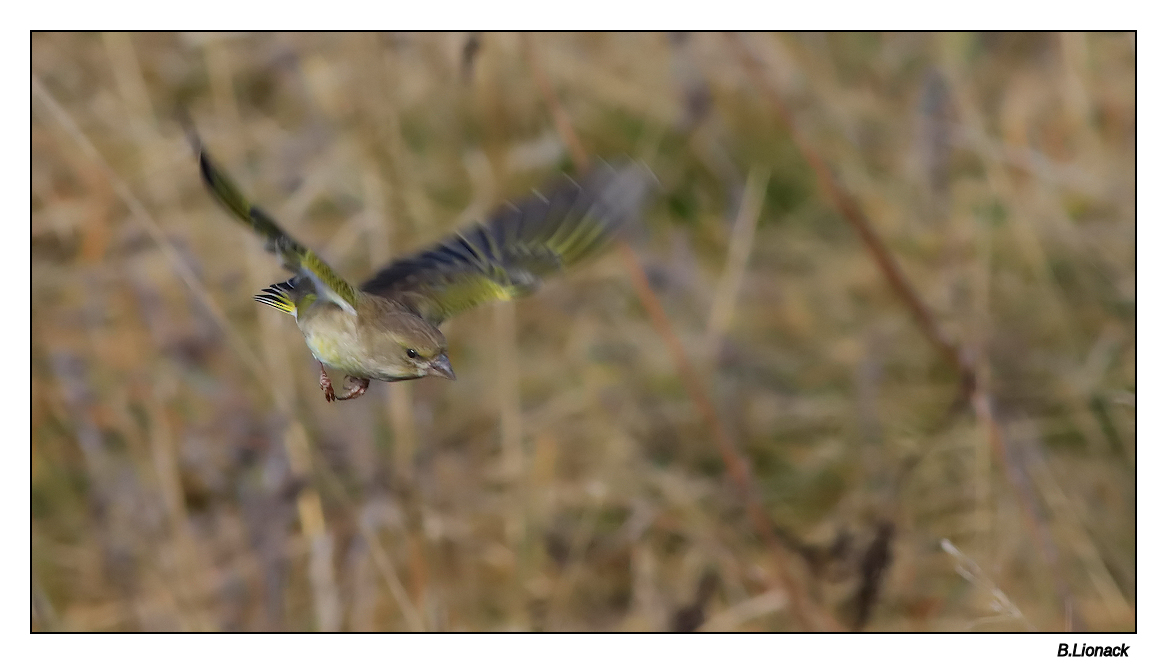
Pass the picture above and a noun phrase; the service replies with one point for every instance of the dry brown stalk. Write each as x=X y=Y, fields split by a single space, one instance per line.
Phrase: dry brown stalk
x=579 y=155
x=849 y=208
x=809 y=616
x=974 y=390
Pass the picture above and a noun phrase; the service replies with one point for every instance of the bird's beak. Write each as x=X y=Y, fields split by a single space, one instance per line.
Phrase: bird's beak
x=440 y=366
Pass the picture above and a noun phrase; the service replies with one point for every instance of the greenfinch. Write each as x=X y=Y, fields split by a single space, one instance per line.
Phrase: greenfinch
x=388 y=328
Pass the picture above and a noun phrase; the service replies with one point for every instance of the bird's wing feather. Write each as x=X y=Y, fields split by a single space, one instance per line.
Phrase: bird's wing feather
x=508 y=255
x=295 y=256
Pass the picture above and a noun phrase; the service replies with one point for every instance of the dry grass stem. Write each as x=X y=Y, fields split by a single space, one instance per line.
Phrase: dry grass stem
x=1000 y=603
x=740 y=242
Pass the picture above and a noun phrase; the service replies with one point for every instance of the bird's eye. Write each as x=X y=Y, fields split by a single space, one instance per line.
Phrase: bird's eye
x=411 y=353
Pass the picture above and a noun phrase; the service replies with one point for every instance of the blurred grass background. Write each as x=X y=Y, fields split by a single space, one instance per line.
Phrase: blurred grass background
x=187 y=473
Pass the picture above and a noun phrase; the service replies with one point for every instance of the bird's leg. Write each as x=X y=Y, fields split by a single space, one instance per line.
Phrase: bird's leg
x=356 y=390
x=326 y=385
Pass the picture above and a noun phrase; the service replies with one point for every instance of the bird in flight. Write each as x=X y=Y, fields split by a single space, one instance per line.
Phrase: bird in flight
x=387 y=329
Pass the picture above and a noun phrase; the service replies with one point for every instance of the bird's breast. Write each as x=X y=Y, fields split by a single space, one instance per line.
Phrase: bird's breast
x=333 y=338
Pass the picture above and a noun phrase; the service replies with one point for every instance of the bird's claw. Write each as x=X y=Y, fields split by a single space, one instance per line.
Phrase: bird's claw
x=355 y=391
x=326 y=385
x=330 y=395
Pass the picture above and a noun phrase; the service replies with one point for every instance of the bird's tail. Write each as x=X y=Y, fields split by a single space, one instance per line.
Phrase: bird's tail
x=279 y=296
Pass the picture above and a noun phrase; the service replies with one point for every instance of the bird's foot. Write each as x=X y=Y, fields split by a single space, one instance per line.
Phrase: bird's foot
x=359 y=388
x=326 y=385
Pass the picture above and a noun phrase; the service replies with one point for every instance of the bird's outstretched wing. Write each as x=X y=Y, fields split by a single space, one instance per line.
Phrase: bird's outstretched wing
x=508 y=255
x=295 y=256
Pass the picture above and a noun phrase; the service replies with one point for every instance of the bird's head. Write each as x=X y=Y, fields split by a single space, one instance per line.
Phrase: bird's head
x=412 y=348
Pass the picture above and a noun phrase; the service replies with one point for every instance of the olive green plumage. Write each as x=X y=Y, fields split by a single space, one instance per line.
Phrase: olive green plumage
x=388 y=328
